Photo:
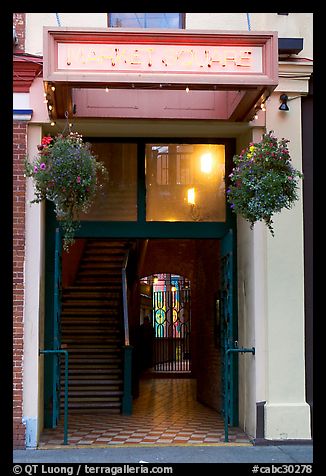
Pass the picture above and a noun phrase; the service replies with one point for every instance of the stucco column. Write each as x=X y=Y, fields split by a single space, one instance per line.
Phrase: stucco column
x=33 y=312
x=287 y=415
x=251 y=254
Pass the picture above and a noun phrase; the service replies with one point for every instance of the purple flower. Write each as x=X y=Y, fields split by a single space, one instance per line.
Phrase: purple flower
x=35 y=169
x=42 y=166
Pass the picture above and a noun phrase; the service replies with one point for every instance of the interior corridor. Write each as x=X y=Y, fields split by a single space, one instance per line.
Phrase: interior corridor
x=166 y=412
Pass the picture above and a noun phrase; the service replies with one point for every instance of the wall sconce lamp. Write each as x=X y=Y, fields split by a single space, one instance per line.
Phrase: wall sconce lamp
x=284 y=99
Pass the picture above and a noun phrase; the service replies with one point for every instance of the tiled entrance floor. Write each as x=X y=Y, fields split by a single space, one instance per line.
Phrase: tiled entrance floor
x=166 y=412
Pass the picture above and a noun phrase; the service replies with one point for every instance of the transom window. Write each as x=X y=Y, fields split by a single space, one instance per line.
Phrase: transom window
x=158 y=189
x=146 y=20
x=185 y=182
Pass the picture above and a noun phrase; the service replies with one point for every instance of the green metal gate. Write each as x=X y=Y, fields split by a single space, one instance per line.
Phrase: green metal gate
x=172 y=326
x=57 y=326
x=53 y=336
x=229 y=330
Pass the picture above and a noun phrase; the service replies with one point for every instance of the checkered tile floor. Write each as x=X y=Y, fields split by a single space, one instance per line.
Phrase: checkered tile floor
x=166 y=412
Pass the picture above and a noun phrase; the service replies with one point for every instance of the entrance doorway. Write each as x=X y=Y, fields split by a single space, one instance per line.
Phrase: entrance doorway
x=190 y=331
x=159 y=398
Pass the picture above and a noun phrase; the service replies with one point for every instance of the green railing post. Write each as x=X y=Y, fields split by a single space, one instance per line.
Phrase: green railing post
x=65 y=428
x=239 y=350
x=127 y=396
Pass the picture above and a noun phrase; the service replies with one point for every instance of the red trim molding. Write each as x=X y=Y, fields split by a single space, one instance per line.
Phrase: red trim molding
x=25 y=69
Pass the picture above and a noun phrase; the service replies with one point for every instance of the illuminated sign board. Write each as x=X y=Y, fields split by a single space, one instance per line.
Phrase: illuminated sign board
x=122 y=57
x=159 y=58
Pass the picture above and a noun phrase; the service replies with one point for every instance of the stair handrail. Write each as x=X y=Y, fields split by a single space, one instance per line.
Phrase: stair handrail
x=125 y=297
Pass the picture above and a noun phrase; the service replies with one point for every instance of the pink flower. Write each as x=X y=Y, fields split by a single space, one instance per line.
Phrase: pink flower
x=42 y=166
x=35 y=169
x=289 y=178
x=78 y=180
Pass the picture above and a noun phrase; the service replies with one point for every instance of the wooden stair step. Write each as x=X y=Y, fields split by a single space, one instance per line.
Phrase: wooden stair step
x=85 y=288
x=100 y=312
x=85 y=406
x=92 y=360
x=86 y=321
x=107 y=346
x=80 y=297
x=96 y=339
x=105 y=365
x=99 y=264
x=95 y=370
x=91 y=327
x=100 y=349
x=106 y=330
x=95 y=381
x=93 y=392
x=100 y=273
x=105 y=279
x=91 y=258
x=104 y=304
x=96 y=249
x=89 y=290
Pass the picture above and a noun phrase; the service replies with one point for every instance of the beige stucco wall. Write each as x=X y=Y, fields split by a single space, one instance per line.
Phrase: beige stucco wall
x=271 y=290
x=294 y=25
x=36 y=21
x=34 y=306
x=251 y=275
x=286 y=412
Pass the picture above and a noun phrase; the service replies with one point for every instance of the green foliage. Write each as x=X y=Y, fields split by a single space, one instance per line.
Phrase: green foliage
x=68 y=174
x=263 y=181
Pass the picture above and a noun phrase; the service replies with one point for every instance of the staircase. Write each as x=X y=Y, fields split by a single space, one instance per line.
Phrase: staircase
x=92 y=329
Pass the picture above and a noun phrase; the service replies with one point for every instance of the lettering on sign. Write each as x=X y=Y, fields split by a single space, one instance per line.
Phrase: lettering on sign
x=159 y=58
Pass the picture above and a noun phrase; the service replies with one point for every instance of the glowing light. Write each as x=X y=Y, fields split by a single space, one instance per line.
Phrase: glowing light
x=191 y=196
x=206 y=163
x=155 y=279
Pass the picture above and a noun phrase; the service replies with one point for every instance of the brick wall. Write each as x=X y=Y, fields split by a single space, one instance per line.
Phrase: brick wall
x=19 y=153
x=19 y=24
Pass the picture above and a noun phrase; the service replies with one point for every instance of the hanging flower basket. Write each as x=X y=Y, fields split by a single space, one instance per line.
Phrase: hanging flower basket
x=263 y=181
x=67 y=173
